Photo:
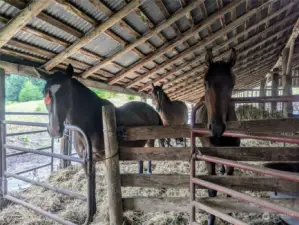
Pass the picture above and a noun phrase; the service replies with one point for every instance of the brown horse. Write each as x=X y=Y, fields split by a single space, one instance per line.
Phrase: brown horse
x=69 y=100
x=216 y=109
x=171 y=112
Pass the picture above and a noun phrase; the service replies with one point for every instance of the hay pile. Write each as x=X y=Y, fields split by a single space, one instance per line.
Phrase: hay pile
x=74 y=210
x=250 y=112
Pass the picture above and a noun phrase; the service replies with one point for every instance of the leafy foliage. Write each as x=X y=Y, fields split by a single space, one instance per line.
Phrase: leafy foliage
x=104 y=94
x=15 y=83
x=30 y=92
x=131 y=97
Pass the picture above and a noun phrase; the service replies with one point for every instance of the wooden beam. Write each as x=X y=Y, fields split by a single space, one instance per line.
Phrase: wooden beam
x=270 y=126
x=200 y=45
x=142 y=39
x=253 y=154
x=193 y=31
x=180 y=204
x=294 y=33
x=30 y=71
x=91 y=35
x=241 y=183
x=24 y=17
x=246 y=42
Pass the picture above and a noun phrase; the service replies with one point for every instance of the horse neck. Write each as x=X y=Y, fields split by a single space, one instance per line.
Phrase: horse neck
x=85 y=109
x=165 y=103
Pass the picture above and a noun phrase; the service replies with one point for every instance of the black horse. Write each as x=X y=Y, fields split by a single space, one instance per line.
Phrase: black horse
x=217 y=109
x=69 y=100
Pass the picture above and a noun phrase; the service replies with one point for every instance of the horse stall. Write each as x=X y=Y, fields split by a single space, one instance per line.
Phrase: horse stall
x=277 y=181
x=130 y=47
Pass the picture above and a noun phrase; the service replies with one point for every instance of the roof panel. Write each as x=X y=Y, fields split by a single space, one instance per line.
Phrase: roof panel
x=153 y=12
x=104 y=46
x=57 y=11
x=127 y=59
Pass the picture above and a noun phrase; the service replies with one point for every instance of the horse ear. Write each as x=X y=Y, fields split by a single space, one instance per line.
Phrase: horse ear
x=153 y=86
x=209 y=57
x=70 y=70
x=233 y=57
x=162 y=86
x=43 y=74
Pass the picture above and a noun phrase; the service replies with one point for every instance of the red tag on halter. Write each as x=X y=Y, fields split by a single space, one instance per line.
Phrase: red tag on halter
x=47 y=99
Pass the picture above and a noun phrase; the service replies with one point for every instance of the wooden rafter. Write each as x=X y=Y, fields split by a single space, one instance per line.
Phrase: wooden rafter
x=24 y=17
x=245 y=43
x=173 y=43
x=92 y=35
x=142 y=39
x=200 y=45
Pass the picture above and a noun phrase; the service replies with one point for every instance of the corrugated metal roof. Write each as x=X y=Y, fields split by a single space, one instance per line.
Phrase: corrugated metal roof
x=69 y=18
x=106 y=46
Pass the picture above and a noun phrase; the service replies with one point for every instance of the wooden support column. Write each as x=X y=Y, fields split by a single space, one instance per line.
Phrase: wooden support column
x=144 y=99
x=274 y=88
x=3 y=184
x=262 y=92
x=287 y=54
x=112 y=166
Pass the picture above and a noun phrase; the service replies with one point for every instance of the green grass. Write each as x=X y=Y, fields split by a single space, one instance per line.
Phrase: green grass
x=32 y=106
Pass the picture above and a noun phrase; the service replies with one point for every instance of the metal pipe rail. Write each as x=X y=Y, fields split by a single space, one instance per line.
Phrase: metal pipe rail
x=292 y=98
x=87 y=161
x=196 y=155
x=27 y=132
x=27 y=113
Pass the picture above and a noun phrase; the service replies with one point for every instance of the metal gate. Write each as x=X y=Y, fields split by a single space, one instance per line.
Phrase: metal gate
x=197 y=155
x=4 y=174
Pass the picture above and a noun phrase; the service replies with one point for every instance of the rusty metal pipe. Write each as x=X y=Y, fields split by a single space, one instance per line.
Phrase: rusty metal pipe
x=240 y=135
x=292 y=98
x=281 y=174
x=58 y=156
x=38 y=210
x=217 y=213
x=247 y=198
x=48 y=186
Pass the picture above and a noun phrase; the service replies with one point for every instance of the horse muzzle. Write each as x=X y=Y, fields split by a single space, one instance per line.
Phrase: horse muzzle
x=217 y=128
x=55 y=133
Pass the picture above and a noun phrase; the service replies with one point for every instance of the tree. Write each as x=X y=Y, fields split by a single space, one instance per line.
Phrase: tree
x=15 y=83
x=30 y=92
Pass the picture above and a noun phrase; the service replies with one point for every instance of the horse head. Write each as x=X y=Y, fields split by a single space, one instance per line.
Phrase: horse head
x=158 y=96
x=219 y=82
x=57 y=97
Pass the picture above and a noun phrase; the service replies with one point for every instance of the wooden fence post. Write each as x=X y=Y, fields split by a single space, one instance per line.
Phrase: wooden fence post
x=3 y=187
x=262 y=93
x=274 y=88
x=112 y=166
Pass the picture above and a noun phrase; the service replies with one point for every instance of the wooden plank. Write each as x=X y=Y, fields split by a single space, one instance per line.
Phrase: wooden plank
x=30 y=71
x=240 y=183
x=24 y=17
x=3 y=184
x=253 y=154
x=142 y=39
x=91 y=35
x=112 y=166
x=180 y=204
x=253 y=127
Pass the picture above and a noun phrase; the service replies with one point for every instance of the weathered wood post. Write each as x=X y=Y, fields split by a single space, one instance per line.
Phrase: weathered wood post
x=287 y=79
x=64 y=149
x=112 y=166
x=3 y=185
x=274 y=88
x=262 y=93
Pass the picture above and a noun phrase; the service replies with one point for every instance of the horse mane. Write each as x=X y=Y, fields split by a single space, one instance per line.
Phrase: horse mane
x=83 y=90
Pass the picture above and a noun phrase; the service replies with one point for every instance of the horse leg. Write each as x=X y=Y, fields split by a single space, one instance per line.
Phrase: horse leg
x=212 y=193
x=150 y=143
x=140 y=167
x=230 y=172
